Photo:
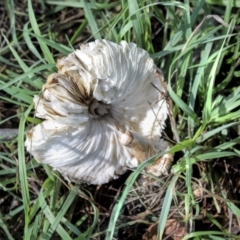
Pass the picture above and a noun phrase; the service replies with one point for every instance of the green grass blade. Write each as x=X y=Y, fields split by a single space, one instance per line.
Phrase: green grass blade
x=51 y=218
x=5 y=228
x=30 y=72
x=181 y=104
x=22 y=169
x=214 y=155
x=46 y=52
x=235 y=3
x=31 y=46
x=211 y=133
x=196 y=82
x=64 y=208
x=9 y=4
x=208 y=103
x=165 y=208
x=136 y=21
x=91 y=19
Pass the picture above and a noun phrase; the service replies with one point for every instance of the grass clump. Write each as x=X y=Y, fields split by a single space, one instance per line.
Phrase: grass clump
x=196 y=44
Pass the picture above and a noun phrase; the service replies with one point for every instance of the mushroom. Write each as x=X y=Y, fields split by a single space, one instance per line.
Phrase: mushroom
x=104 y=98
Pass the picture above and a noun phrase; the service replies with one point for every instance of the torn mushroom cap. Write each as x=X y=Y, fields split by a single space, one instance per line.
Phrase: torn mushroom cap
x=99 y=93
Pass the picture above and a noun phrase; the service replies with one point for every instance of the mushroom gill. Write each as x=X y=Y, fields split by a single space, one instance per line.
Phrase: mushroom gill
x=102 y=94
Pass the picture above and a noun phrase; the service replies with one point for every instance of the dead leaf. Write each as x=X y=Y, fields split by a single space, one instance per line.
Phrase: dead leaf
x=174 y=230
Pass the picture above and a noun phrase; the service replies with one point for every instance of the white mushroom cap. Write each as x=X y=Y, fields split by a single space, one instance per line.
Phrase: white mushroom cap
x=99 y=93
